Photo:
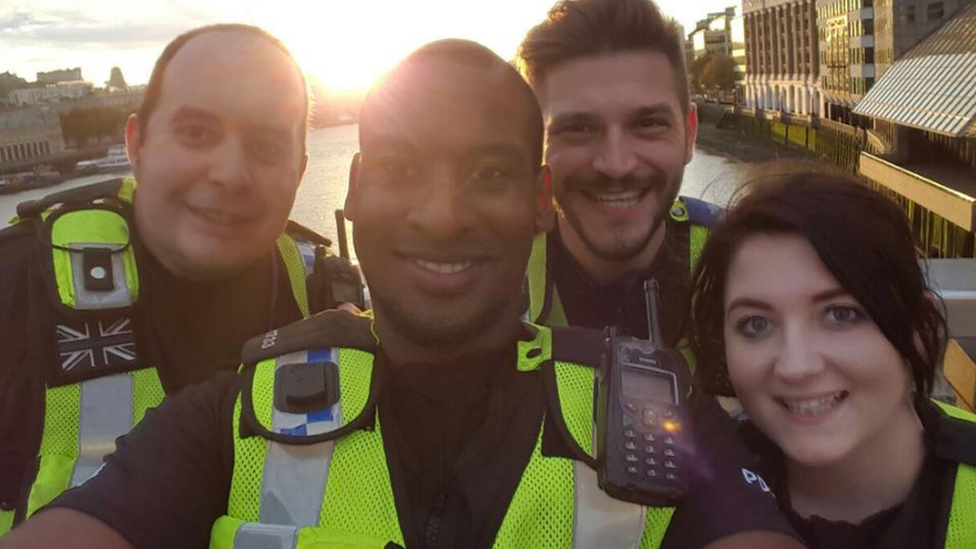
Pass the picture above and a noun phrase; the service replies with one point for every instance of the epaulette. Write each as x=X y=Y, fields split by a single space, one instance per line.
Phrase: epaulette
x=952 y=431
x=703 y=213
x=332 y=328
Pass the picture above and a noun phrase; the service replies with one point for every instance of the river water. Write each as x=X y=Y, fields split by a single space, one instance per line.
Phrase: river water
x=708 y=176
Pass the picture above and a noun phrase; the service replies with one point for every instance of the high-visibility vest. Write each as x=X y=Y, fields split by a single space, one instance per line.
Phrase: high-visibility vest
x=321 y=479
x=961 y=529
x=545 y=306
x=88 y=241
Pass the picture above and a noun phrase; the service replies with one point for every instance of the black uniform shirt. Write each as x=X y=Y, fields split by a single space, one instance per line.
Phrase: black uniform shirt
x=917 y=523
x=188 y=330
x=621 y=303
x=457 y=439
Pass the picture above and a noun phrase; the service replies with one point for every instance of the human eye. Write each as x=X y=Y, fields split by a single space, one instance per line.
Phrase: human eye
x=843 y=315
x=268 y=151
x=652 y=122
x=574 y=131
x=753 y=326
x=195 y=134
x=396 y=168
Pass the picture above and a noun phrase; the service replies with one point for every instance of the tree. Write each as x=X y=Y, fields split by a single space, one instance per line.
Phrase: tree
x=695 y=71
x=719 y=73
x=116 y=80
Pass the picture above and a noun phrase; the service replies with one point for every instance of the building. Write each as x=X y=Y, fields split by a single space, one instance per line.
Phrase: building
x=720 y=33
x=860 y=39
x=713 y=34
x=923 y=117
x=782 y=56
x=27 y=134
x=62 y=75
x=51 y=93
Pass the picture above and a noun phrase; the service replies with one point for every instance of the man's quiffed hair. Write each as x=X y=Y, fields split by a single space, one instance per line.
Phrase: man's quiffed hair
x=581 y=28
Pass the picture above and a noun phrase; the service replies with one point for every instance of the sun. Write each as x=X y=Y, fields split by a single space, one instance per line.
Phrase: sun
x=347 y=45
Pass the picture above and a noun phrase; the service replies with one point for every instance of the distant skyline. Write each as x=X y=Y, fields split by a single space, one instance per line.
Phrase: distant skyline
x=344 y=44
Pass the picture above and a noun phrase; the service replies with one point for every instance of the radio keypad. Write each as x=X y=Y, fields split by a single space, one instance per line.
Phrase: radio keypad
x=654 y=443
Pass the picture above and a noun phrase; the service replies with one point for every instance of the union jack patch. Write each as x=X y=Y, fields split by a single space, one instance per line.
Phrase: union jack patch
x=87 y=346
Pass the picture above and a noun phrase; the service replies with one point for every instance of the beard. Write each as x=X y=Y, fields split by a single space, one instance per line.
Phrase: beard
x=432 y=331
x=623 y=243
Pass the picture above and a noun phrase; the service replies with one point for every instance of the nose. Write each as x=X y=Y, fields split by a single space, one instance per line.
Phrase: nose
x=230 y=165
x=799 y=355
x=438 y=211
x=616 y=158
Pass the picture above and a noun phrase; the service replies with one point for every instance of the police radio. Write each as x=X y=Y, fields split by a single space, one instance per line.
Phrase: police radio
x=643 y=440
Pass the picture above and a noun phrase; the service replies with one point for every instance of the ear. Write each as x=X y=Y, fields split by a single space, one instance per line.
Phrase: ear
x=349 y=209
x=691 y=131
x=303 y=167
x=132 y=137
x=545 y=214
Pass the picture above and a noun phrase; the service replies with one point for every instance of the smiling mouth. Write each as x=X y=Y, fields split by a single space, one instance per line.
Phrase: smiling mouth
x=617 y=199
x=813 y=406
x=444 y=268
x=219 y=217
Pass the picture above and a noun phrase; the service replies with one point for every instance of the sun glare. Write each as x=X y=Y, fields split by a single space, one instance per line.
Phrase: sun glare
x=347 y=45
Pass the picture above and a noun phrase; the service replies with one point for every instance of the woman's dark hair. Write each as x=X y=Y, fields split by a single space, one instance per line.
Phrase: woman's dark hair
x=862 y=238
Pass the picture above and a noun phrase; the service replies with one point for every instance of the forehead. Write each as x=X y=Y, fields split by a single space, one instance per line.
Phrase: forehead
x=444 y=106
x=234 y=73
x=609 y=83
x=777 y=267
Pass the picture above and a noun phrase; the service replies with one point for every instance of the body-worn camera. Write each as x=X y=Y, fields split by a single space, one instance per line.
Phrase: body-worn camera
x=643 y=439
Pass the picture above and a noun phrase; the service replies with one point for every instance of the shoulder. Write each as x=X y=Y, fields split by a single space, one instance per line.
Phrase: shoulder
x=696 y=211
x=950 y=432
x=332 y=328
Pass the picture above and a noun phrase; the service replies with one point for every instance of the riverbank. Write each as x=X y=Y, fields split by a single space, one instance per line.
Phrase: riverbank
x=743 y=148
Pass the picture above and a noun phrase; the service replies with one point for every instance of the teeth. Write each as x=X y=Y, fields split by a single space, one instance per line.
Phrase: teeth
x=444 y=268
x=618 y=199
x=219 y=216
x=813 y=406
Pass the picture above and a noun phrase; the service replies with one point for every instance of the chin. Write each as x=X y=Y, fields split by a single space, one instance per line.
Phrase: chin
x=814 y=454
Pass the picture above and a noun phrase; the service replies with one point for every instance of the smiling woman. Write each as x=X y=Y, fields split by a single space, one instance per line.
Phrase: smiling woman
x=810 y=307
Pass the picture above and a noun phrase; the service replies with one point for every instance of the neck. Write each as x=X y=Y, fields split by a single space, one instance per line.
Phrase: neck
x=402 y=349
x=877 y=475
x=603 y=270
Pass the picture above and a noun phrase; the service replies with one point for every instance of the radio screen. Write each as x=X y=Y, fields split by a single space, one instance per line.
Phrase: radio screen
x=644 y=384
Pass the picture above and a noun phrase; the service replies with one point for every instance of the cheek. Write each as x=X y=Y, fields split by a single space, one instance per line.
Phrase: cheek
x=747 y=367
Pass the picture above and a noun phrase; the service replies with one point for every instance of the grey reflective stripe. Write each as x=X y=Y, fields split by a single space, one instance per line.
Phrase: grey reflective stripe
x=105 y=414
x=252 y=535
x=601 y=521
x=87 y=299
x=294 y=476
x=307 y=251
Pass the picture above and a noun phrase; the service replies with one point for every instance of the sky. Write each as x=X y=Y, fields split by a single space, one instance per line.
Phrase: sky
x=343 y=44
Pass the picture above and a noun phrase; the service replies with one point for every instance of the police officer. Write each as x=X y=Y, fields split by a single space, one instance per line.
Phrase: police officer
x=112 y=295
x=610 y=77
x=442 y=420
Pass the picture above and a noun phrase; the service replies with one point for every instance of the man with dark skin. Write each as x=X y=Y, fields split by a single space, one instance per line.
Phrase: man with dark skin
x=445 y=197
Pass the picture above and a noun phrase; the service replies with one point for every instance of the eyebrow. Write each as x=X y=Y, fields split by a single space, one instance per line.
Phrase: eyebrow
x=755 y=303
x=507 y=152
x=193 y=113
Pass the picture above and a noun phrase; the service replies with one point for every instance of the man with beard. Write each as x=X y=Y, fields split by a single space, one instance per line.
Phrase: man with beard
x=610 y=78
x=438 y=428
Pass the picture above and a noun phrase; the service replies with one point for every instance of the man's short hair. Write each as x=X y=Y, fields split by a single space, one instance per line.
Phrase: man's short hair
x=583 y=28
x=473 y=56
x=155 y=86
